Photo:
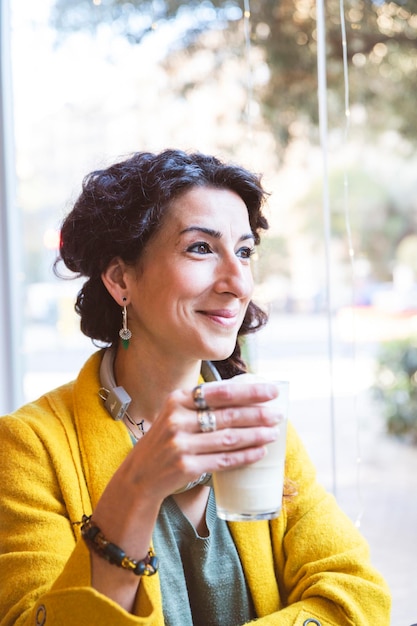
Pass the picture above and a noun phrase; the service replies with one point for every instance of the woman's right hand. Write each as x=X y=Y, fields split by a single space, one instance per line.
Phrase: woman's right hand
x=171 y=454
x=175 y=451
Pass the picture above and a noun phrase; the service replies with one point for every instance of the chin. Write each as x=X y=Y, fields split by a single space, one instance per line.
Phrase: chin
x=220 y=354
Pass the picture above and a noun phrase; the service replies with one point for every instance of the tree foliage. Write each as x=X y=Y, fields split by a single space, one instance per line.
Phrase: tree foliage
x=381 y=220
x=381 y=52
x=281 y=40
x=395 y=387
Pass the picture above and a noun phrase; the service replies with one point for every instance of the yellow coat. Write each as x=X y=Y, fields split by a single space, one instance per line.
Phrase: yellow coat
x=57 y=455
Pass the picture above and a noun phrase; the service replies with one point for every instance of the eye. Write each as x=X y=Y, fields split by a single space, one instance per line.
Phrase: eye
x=245 y=252
x=200 y=247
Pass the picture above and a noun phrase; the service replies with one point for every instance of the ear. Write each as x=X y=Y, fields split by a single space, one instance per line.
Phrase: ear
x=114 y=279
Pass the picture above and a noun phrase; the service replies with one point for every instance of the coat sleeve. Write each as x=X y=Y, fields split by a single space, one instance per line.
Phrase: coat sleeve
x=323 y=567
x=44 y=564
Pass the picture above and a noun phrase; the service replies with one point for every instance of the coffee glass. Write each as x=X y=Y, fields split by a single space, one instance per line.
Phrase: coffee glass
x=254 y=492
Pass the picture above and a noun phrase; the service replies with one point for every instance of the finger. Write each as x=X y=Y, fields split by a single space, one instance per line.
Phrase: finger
x=229 y=439
x=224 y=460
x=207 y=420
x=248 y=416
x=225 y=394
x=235 y=411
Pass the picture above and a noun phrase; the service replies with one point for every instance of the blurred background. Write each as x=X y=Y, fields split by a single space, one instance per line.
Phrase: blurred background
x=87 y=82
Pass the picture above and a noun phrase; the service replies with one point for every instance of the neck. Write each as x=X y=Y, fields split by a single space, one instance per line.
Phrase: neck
x=149 y=380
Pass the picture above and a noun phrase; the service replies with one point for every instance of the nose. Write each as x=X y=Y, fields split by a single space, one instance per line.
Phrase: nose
x=234 y=276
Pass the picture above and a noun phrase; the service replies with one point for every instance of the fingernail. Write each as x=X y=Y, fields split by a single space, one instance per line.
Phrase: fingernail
x=273 y=390
x=276 y=419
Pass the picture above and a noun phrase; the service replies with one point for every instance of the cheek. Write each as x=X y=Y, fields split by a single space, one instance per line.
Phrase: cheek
x=177 y=289
x=194 y=279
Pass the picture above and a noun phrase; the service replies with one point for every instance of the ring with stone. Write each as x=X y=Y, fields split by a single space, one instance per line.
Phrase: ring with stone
x=206 y=420
x=198 y=397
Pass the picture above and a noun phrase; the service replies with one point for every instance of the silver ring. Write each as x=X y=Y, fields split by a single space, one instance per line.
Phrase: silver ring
x=198 y=397
x=207 y=420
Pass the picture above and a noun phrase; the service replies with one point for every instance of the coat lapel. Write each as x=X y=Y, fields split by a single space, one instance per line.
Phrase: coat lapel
x=253 y=542
x=104 y=443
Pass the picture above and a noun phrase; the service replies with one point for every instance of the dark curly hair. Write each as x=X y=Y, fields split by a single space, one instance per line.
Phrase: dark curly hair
x=120 y=208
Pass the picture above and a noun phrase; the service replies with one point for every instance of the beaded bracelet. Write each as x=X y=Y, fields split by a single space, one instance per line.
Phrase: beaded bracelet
x=115 y=555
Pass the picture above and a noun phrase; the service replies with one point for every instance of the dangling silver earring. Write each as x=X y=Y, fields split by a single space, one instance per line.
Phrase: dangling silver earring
x=124 y=333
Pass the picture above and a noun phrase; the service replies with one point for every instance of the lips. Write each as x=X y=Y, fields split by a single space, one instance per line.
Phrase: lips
x=224 y=317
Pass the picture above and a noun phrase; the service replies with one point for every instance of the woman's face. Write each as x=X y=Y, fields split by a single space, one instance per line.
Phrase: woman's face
x=191 y=288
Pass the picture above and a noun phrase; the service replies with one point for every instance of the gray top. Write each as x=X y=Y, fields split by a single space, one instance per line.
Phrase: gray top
x=202 y=580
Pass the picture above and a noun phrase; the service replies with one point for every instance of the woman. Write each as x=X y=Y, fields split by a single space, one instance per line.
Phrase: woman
x=119 y=455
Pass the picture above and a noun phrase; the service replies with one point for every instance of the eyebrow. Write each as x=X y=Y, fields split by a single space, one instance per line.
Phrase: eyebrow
x=216 y=234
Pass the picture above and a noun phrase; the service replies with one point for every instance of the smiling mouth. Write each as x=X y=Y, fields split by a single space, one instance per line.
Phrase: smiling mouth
x=223 y=317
